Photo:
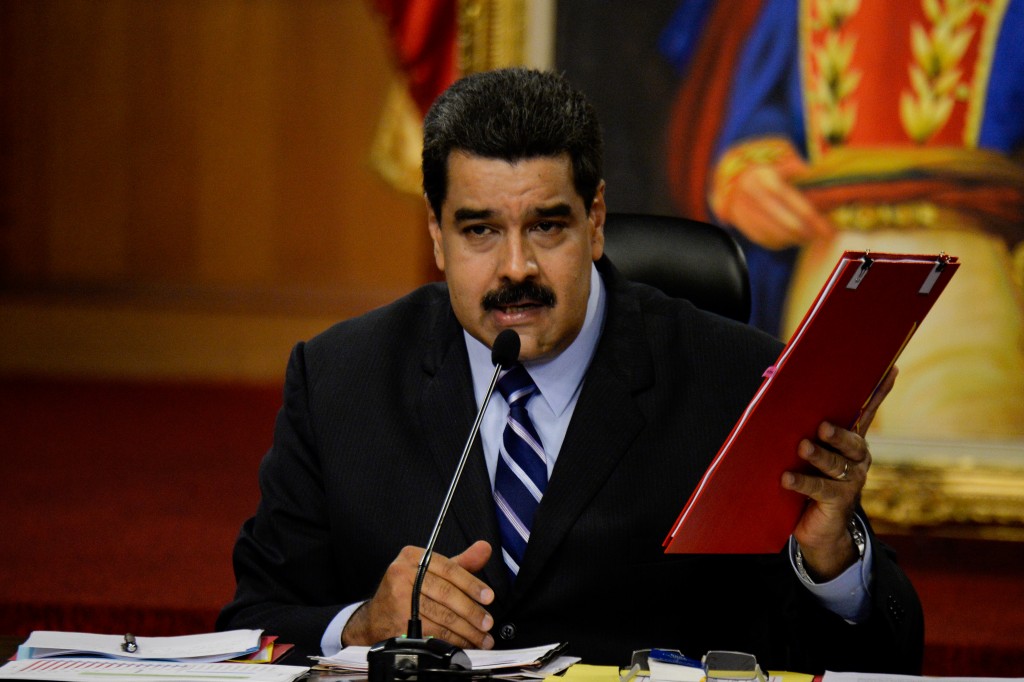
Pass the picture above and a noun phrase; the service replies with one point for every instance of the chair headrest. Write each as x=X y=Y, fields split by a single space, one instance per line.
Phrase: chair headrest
x=683 y=258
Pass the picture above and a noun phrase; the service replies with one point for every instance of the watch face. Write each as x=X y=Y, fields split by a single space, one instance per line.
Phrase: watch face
x=859 y=540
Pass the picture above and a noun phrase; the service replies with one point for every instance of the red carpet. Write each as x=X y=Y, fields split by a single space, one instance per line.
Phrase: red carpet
x=121 y=502
x=972 y=592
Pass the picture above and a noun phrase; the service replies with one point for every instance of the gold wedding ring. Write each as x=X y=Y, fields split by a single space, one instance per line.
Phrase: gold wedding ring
x=846 y=471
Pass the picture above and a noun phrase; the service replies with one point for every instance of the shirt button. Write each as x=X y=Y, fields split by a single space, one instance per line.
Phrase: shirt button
x=507 y=631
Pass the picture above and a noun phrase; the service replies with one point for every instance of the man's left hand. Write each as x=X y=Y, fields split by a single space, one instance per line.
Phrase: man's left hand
x=843 y=458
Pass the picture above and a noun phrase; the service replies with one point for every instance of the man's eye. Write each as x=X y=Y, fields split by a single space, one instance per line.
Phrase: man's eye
x=477 y=230
x=547 y=226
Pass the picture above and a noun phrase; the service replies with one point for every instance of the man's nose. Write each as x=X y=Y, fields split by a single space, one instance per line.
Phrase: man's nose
x=518 y=260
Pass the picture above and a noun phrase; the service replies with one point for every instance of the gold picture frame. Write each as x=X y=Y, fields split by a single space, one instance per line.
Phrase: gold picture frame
x=491 y=34
x=947 y=488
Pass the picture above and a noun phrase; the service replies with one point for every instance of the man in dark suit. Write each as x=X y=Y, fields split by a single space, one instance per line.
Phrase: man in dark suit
x=629 y=394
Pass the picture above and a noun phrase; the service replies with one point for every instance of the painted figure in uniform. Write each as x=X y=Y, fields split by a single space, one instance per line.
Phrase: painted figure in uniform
x=897 y=127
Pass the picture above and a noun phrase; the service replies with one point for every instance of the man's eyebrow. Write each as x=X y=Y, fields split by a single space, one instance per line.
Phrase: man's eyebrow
x=560 y=210
x=472 y=214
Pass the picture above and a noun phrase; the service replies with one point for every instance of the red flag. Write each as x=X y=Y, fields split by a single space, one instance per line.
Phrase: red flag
x=424 y=38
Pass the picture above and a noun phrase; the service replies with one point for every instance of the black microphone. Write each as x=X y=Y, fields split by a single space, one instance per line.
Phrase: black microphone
x=412 y=657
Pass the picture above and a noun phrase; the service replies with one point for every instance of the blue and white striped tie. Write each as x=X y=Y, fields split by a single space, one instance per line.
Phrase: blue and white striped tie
x=522 y=473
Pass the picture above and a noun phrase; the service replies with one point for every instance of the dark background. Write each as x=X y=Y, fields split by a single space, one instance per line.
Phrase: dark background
x=610 y=51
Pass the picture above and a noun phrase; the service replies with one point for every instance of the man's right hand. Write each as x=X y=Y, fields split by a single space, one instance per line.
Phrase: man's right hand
x=451 y=601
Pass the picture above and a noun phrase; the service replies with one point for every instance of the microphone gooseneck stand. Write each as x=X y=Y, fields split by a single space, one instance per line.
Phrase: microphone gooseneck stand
x=413 y=657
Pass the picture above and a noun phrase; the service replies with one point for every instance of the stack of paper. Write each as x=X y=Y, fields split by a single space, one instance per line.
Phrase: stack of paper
x=107 y=670
x=876 y=677
x=537 y=662
x=205 y=648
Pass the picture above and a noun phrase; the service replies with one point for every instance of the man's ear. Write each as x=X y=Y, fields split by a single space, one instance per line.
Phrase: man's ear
x=434 y=226
x=598 y=212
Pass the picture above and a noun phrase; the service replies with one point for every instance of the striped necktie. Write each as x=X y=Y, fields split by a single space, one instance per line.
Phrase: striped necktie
x=522 y=473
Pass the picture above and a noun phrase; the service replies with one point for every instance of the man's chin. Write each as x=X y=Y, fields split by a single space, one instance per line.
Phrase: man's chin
x=531 y=348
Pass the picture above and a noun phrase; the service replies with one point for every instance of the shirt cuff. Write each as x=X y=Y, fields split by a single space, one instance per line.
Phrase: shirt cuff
x=330 y=643
x=847 y=595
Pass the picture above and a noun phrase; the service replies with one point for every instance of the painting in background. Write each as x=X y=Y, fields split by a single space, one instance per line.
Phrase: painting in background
x=609 y=49
x=815 y=126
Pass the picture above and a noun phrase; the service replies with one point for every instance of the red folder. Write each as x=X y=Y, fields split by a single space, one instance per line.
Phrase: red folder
x=849 y=339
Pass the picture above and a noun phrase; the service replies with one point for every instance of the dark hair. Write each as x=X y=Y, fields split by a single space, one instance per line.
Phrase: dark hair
x=512 y=114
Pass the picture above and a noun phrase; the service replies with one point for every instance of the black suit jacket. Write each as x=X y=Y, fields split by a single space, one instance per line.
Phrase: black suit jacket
x=376 y=411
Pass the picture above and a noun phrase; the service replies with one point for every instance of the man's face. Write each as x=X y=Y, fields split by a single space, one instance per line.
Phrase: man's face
x=515 y=243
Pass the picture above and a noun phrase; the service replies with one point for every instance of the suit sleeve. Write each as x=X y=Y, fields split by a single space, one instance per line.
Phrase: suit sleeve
x=283 y=558
x=891 y=640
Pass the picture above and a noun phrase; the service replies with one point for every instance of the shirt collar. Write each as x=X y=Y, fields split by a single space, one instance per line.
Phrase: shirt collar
x=557 y=378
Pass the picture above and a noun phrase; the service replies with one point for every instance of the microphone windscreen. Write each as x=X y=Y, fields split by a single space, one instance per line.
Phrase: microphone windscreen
x=505 y=351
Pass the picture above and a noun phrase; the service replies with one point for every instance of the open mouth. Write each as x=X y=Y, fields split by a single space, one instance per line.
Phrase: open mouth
x=519 y=308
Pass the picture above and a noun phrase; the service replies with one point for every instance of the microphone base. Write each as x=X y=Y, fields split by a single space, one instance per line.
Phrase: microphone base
x=402 y=659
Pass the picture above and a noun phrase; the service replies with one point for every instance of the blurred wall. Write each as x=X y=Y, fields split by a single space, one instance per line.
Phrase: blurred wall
x=184 y=184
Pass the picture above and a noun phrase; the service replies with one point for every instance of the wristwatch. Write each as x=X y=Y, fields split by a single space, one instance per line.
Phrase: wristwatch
x=860 y=543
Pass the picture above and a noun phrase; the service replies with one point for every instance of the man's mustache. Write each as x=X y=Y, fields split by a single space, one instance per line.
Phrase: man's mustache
x=510 y=294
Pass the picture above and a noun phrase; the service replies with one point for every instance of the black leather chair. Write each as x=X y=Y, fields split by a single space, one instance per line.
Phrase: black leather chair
x=684 y=258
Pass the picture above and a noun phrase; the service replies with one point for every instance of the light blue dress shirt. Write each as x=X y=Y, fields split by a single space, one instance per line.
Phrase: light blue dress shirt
x=558 y=380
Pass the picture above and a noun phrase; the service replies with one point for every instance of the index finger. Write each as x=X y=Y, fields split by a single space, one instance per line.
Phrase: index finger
x=868 y=414
x=452 y=571
x=452 y=599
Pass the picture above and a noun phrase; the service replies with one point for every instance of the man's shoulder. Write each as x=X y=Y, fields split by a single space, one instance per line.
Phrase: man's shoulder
x=678 y=320
x=675 y=322
x=408 y=320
